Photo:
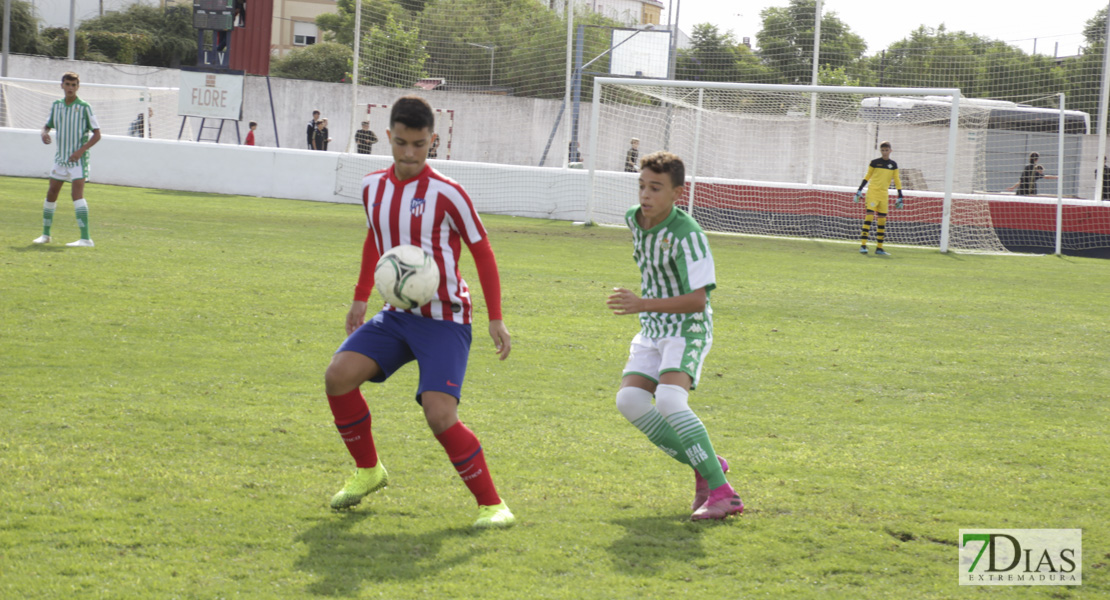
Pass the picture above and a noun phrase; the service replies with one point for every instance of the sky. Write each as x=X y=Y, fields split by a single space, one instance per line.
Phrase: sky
x=1037 y=23
x=881 y=24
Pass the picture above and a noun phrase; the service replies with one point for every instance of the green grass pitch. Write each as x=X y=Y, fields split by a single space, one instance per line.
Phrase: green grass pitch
x=165 y=435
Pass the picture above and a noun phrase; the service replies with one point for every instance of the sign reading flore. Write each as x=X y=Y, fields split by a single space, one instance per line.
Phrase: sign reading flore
x=210 y=95
x=1021 y=557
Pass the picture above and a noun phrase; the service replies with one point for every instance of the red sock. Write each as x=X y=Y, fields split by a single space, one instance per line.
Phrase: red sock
x=352 y=418
x=465 y=452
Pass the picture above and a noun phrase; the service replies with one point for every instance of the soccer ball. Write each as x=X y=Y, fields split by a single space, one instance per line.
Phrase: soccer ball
x=407 y=277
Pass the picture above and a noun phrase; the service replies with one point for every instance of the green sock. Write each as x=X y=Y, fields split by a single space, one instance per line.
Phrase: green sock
x=657 y=430
x=47 y=216
x=696 y=446
x=81 y=207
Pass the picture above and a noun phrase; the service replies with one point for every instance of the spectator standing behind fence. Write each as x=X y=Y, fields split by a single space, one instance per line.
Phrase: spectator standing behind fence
x=1105 y=180
x=1027 y=184
x=241 y=13
x=311 y=131
x=632 y=158
x=365 y=139
x=320 y=138
x=142 y=126
x=250 y=134
x=136 y=128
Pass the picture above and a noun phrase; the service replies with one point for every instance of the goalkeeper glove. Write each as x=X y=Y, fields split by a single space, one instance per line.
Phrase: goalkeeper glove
x=859 y=194
x=898 y=203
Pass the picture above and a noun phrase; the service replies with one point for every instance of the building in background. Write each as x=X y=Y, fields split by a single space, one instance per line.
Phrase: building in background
x=629 y=12
x=294 y=23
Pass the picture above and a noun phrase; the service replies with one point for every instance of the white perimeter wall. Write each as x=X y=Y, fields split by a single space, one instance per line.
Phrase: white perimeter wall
x=288 y=173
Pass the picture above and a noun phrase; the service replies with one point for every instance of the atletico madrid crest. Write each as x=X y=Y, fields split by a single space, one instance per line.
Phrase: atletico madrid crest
x=417 y=207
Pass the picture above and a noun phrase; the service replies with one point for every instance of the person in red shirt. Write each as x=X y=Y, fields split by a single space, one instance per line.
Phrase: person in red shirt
x=250 y=134
x=412 y=203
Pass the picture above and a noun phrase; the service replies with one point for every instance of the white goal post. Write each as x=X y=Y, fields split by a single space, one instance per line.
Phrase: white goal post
x=125 y=110
x=747 y=148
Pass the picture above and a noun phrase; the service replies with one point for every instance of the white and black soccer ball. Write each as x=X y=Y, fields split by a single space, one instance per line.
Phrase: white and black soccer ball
x=407 y=277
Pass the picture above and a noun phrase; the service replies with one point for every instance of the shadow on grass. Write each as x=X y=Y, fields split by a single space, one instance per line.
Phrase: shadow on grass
x=344 y=560
x=38 y=248
x=649 y=542
x=182 y=194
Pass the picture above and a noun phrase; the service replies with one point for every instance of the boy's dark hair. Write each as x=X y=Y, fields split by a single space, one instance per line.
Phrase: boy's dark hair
x=1033 y=156
x=413 y=112
x=665 y=163
x=884 y=145
x=70 y=76
x=316 y=112
x=252 y=124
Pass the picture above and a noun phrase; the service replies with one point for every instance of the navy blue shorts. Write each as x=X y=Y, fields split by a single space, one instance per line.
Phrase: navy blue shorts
x=393 y=339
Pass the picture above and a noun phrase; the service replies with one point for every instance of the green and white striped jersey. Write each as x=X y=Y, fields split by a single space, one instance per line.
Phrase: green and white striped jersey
x=72 y=124
x=674 y=259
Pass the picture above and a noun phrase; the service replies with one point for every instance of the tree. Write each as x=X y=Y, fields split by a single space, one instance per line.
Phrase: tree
x=786 y=41
x=340 y=26
x=55 y=42
x=326 y=61
x=394 y=55
x=24 y=30
x=1095 y=31
x=163 y=38
x=716 y=56
x=529 y=43
x=980 y=67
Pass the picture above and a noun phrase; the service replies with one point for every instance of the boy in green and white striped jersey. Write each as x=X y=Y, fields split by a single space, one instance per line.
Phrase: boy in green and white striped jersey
x=665 y=359
x=73 y=119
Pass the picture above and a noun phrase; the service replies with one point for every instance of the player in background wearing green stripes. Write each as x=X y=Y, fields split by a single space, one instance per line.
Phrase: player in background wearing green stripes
x=666 y=356
x=73 y=119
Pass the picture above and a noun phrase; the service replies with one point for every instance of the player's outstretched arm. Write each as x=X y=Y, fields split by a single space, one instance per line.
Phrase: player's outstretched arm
x=625 y=302
x=501 y=339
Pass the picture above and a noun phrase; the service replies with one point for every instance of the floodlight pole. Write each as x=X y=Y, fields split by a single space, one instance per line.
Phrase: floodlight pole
x=950 y=171
x=567 y=91
x=354 y=78
x=1102 y=108
x=813 y=97
x=7 y=37
x=72 y=29
x=672 y=62
x=1060 y=179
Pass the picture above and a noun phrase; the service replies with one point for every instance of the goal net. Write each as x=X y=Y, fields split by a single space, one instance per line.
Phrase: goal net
x=120 y=109
x=786 y=160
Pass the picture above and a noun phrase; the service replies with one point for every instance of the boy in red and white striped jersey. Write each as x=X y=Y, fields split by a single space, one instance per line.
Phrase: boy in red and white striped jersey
x=411 y=203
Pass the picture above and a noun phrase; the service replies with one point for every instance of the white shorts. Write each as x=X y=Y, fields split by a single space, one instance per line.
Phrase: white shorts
x=79 y=170
x=651 y=357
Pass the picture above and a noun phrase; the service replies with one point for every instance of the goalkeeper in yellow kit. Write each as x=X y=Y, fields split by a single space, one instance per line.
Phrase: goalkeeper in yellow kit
x=880 y=172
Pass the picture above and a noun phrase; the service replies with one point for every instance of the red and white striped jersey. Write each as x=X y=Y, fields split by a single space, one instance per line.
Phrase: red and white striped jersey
x=432 y=212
